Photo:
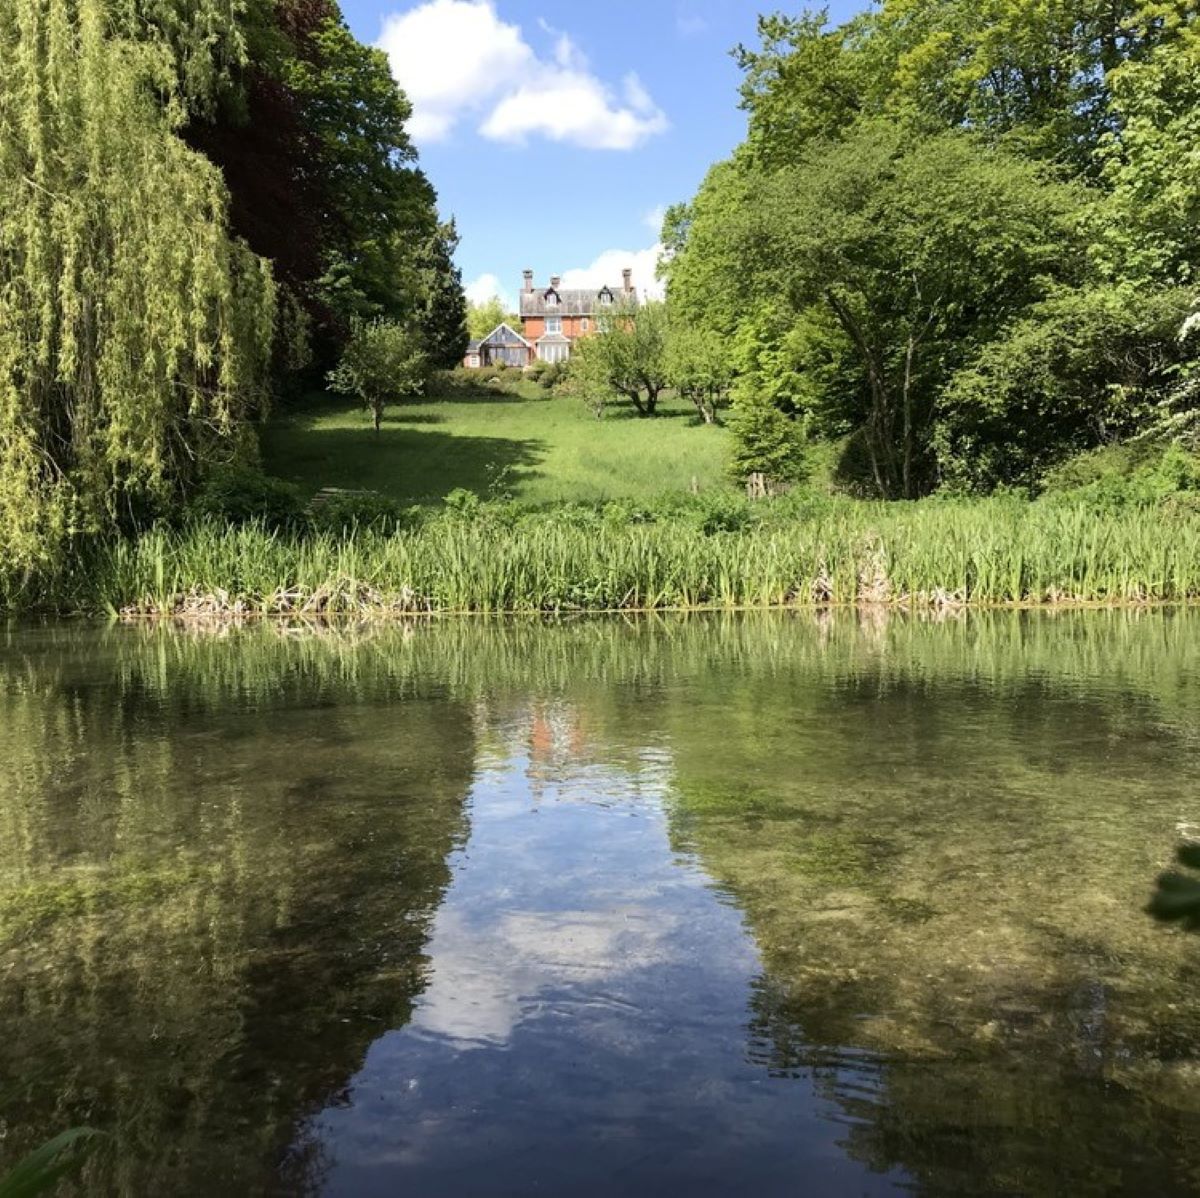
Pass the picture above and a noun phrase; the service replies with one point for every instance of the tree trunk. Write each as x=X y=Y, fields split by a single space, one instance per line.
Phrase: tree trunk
x=635 y=397
x=705 y=409
x=909 y=356
x=377 y=414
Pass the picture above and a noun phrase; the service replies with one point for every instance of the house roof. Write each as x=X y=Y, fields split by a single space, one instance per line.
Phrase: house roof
x=572 y=301
x=554 y=338
x=473 y=346
x=505 y=334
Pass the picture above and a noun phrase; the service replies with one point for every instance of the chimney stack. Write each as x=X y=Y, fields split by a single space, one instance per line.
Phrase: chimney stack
x=528 y=280
x=555 y=280
x=627 y=277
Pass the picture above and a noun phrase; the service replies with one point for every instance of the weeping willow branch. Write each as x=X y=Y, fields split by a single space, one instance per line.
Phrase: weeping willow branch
x=134 y=331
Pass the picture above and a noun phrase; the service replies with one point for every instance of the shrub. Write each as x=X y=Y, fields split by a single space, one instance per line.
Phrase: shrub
x=619 y=514
x=720 y=512
x=241 y=494
x=366 y=509
x=463 y=504
x=555 y=376
x=1121 y=476
x=767 y=442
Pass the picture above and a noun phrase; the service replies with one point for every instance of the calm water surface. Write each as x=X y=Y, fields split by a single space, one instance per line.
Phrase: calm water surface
x=786 y=905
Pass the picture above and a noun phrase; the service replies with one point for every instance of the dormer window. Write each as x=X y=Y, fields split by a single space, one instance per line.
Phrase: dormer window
x=606 y=296
x=551 y=299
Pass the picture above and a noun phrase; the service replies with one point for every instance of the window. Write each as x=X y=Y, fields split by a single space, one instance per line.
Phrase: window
x=606 y=296
x=554 y=353
x=551 y=299
x=583 y=325
x=553 y=324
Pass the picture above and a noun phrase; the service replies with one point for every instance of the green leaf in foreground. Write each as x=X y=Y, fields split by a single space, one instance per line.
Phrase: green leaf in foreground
x=43 y=1167
x=1177 y=899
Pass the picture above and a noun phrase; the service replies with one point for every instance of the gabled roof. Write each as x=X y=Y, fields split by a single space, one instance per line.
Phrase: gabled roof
x=505 y=334
x=572 y=301
x=554 y=338
x=473 y=346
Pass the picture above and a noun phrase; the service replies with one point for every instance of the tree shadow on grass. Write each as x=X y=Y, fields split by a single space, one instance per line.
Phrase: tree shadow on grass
x=405 y=416
x=412 y=465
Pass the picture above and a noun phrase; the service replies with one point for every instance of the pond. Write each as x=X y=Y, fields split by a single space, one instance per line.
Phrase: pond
x=780 y=904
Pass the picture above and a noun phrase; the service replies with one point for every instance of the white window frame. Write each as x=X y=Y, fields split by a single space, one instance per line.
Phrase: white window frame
x=583 y=325
x=554 y=324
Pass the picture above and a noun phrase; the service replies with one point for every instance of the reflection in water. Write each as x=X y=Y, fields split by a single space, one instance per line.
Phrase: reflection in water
x=215 y=887
x=786 y=904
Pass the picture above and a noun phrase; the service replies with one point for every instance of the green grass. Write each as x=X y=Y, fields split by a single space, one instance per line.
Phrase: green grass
x=703 y=553
x=545 y=449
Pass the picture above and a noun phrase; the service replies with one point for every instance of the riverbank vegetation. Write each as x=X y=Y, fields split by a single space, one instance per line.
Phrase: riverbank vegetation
x=701 y=552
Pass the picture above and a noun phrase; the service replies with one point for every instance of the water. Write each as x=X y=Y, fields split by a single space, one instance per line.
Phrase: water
x=777 y=905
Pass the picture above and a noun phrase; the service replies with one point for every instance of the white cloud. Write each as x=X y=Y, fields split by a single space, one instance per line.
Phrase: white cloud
x=482 y=289
x=491 y=974
x=451 y=56
x=607 y=268
x=653 y=220
x=457 y=58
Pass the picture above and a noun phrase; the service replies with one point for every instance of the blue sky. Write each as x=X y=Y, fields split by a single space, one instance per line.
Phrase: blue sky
x=555 y=133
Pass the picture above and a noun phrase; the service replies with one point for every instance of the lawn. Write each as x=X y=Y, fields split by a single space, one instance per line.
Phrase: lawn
x=538 y=449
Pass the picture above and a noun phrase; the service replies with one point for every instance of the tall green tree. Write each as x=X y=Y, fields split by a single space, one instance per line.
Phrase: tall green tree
x=311 y=134
x=483 y=317
x=895 y=257
x=956 y=231
x=1151 y=160
x=442 y=310
x=381 y=209
x=134 y=330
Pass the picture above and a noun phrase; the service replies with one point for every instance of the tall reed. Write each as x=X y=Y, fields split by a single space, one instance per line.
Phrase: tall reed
x=910 y=555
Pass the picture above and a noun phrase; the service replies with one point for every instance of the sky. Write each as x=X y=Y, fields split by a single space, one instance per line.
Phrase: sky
x=557 y=133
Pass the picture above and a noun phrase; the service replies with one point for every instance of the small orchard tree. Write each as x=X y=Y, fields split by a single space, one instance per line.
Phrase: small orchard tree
x=628 y=356
x=700 y=367
x=383 y=362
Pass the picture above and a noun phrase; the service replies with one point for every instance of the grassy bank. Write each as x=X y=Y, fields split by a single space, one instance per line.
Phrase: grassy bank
x=698 y=555
x=538 y=449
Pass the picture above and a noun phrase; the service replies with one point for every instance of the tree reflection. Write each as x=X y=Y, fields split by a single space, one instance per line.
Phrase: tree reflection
x=218 y=877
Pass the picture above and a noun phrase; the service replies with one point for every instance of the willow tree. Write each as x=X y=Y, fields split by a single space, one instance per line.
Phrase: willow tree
x=134 y=331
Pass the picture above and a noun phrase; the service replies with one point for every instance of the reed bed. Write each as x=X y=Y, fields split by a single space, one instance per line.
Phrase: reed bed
x=925 y=555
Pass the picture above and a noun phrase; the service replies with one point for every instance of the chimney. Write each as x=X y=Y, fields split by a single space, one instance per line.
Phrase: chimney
x=528 y=274
x=627 y=279
x=555 y=280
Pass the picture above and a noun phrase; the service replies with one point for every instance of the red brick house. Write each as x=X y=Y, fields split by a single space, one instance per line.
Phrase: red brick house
x=554 y=318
